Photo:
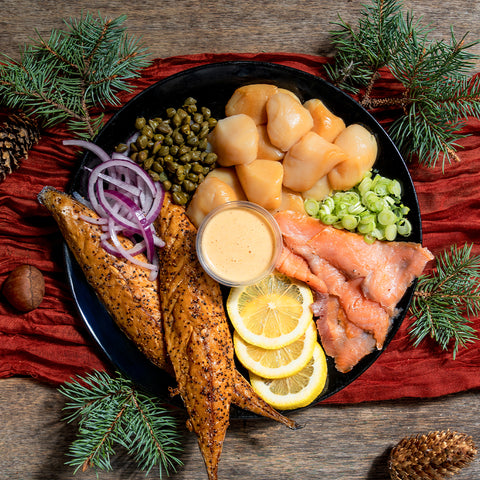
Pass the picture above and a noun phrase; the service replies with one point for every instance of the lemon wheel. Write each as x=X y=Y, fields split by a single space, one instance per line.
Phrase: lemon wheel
x=279 y=362
x=295 y=391
x=271 y=313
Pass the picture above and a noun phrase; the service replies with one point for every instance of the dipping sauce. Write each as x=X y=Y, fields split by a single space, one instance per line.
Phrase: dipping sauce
x=238 y=243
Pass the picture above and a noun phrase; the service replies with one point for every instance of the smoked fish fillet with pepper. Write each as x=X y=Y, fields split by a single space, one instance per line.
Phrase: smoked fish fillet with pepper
x=198 y=339
x=124 y=288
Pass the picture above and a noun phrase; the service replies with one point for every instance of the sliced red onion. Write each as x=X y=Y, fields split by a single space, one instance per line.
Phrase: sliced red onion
x=127 y=201
x=98 y=151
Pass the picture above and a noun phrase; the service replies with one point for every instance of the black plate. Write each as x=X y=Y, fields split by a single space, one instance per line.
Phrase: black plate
x=212 y=85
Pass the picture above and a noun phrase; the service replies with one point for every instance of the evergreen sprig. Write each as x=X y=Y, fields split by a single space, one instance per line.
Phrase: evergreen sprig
x=76 y=70
x=439 y=92
x=112 y=412
x=445 y=300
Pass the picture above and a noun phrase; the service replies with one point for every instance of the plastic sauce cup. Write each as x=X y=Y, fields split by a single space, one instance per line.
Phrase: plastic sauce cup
x=238 y=243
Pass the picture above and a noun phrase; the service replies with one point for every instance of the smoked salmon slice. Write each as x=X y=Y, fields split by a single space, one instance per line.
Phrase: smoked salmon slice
x=360 y=283
x=386 y=268
x=341 y=339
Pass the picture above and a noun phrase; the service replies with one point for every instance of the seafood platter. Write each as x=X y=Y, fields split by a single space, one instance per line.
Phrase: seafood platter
x=353 y=279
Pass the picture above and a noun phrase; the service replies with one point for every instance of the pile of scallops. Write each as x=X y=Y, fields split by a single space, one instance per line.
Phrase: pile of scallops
x=275 y=151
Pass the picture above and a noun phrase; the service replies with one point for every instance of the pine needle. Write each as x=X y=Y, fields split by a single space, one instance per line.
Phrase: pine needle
x=65 y=77
x=439 y=93
x=111 y=412
x=444 y=301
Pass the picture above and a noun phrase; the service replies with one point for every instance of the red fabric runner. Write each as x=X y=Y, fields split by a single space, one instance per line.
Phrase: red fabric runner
x=52 y=345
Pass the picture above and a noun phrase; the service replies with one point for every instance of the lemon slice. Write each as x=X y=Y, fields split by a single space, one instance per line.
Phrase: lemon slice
x=279 y=362
x=271 y=313
x=298 y=390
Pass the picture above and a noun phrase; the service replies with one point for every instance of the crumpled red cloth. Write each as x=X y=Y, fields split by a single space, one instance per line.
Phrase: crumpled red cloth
x=52 y=345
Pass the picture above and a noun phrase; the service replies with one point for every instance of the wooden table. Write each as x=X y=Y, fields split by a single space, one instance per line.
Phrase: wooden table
x=338 y=442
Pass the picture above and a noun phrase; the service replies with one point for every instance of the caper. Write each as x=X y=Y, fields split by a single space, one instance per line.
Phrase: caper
x=185 y=129
x=193 y=177
x=147 y=131
x=153 y=122
x=180 y=198
x=190 y=101
x=185 y=158
x=171 y=166
x=140 y=123
x=183 y=150
x=188 y=186
x=197 y=168
x=148 y=163
x=192 y=140
x=178 y=138
x=156 y=147
x=176 y=120
x=142 y=141
x=164 y=128
x=142 y=156
x=121 y=148
x=155 y=176
x=173 y=150
x=210 y=158
x=164 y=150
x=197 y=117
x=181 y=113
x=157 y=167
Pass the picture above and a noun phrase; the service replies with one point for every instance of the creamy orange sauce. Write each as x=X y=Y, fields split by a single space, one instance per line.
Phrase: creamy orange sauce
x=238 y=244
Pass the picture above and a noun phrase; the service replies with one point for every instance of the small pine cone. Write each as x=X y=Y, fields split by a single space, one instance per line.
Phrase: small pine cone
x=431 y=457
x=18 y=134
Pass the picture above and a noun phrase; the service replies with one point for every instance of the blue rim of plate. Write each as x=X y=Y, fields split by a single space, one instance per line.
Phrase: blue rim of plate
x=212 y=84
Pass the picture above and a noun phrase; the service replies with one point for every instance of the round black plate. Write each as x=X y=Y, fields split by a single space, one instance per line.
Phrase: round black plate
x=212 y=85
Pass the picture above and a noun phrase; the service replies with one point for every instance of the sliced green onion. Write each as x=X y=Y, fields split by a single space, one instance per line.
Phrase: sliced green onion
x=311 y=207
x=386 y=217
x=372 y=208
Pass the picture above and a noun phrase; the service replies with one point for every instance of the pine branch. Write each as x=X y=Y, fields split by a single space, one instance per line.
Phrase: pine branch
x=438 y=93
x=63 y=78
x=444 y=301
x=112 y=412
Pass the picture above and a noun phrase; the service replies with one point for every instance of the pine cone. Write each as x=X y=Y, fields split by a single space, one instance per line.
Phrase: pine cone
x=431 y=457
x=17 y=136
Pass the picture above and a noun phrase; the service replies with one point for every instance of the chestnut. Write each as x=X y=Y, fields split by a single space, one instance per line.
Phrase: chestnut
x=24 y=288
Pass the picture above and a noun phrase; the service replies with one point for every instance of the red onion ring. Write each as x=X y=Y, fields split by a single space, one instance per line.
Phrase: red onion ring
x=127 y=201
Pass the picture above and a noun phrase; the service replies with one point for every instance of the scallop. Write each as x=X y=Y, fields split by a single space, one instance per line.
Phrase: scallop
x=325 y=123
x=251 y=100
x=266 y=150
x=360 y=147
x=229 y=176
x=288 y=120
x=235 y=140
x=311 y=158
x=211 y=193
x=262 y=182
